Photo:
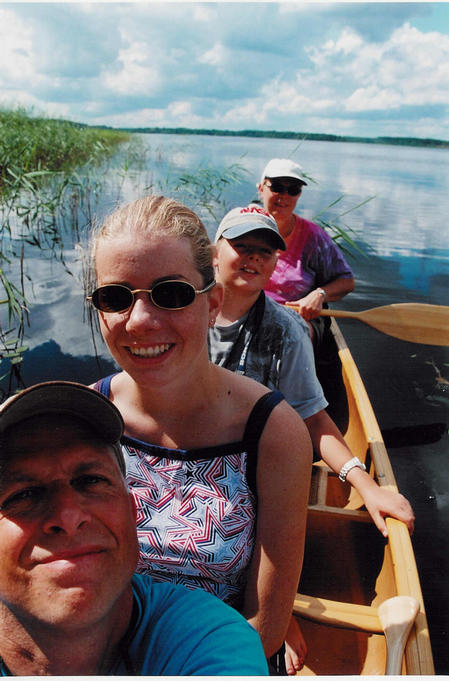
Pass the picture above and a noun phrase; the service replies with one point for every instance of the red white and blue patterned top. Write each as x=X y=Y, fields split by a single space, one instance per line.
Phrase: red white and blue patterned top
x=196 y=509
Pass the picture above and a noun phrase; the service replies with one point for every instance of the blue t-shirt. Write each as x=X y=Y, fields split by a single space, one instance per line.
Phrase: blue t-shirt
x=177 y=632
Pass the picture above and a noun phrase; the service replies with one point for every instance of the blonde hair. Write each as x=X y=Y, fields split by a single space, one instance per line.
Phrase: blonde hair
x=162 y=216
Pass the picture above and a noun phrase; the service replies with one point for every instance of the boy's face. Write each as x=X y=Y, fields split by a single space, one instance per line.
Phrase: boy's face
x=246 y=263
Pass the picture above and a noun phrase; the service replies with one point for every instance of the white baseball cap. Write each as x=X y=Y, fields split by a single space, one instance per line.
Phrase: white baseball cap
x=243 y=220
x=283 y=167
x=70 y=399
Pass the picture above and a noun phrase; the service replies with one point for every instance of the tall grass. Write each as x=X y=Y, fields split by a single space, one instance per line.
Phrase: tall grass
x=30 y=145
x=47 y=172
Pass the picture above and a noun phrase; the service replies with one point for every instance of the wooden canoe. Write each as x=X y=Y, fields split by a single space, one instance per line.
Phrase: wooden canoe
x=349 y=568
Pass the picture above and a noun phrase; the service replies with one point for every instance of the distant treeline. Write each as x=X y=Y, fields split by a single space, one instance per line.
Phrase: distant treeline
x=317 y=137
x=405 y=141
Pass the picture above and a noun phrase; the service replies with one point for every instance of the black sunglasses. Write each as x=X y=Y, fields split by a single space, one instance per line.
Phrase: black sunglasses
x=278 y=187
x=168 y=295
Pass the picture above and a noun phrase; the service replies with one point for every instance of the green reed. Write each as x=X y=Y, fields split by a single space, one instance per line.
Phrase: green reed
x=48 y=176
x=341 y=232
x=31 y=144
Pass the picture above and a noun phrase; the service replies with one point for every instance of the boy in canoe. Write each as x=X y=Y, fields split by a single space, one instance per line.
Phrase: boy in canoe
x=270 y=343
x=70 y=603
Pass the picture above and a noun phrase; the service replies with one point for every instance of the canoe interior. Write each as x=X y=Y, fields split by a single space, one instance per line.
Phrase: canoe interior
x=349 y=568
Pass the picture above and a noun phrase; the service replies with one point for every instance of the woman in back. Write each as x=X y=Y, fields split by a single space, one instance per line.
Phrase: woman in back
x=312 y=270
x=219 y=466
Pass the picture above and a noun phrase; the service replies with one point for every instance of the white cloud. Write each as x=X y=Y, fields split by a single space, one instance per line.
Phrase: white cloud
x=215 y=56
x=290 y=66
x=409 y=69
x=137 y=73
x=347 y=43
x=202 y=13
x=181 y=109
x=373 y=99
x=17 y=57
x=251 y=112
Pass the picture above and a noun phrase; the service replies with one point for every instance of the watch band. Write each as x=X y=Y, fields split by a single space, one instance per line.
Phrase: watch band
x=322 y=292
x=349 y=465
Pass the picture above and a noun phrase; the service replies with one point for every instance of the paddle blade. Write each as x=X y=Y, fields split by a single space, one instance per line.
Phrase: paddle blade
x=413 y=322
x=397 y=615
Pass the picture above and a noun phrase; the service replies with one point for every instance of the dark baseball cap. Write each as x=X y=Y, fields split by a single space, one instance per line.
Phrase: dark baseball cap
x=69 y=399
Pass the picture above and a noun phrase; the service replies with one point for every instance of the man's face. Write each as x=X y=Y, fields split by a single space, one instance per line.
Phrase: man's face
x=68 y=541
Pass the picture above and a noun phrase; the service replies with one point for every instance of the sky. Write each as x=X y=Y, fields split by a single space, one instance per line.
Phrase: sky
x=360 y=69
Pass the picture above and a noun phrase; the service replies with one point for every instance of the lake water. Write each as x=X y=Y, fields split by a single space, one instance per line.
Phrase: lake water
x=404 y=230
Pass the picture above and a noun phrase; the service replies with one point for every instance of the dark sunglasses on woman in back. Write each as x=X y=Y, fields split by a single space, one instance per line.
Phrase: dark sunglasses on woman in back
x=277 y=187
x=168 y=295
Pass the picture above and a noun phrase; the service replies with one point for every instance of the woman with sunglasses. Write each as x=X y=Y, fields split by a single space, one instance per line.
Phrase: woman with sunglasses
x=218 y=465
x=312 y=271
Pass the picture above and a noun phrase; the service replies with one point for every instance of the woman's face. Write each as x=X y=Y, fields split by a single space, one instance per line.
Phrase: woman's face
x=279 y=205
x=153 y=345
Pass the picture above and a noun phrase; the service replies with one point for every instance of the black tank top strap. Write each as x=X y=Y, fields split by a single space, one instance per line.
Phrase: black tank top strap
x=103 y=386
x=258 y=418
x=253 y=431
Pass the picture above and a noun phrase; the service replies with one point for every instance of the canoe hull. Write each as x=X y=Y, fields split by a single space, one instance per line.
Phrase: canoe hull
x=349 y=568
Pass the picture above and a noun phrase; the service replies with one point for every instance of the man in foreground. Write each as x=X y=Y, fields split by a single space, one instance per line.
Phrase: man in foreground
x=70 y=603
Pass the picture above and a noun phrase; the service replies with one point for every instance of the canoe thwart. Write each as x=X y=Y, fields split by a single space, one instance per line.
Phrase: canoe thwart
x=338 y=613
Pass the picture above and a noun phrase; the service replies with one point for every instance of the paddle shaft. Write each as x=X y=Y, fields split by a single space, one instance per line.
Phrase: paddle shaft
x=414 y=322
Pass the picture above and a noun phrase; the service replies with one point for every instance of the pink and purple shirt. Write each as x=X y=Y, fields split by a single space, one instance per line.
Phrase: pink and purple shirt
x=311 y=260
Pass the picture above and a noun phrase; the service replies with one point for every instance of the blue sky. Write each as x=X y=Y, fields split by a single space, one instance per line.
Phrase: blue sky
x=341 y=68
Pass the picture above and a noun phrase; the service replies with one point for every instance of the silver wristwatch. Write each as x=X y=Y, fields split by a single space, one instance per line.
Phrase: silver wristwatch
x=322 y=292
x=349 y=465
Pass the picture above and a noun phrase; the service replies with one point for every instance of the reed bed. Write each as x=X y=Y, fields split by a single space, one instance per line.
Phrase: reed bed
x=34 y=144
x=47 y=169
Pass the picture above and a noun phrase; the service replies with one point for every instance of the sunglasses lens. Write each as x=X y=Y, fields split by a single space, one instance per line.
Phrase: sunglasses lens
x=277 y=187
x=291 y=189
x=112 y=298
x=173 y=294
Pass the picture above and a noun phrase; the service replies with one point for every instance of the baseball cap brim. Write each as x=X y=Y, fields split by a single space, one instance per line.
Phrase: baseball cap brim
x=283 y=168
x=291 y=176
x=239 y=230
x=71 y=399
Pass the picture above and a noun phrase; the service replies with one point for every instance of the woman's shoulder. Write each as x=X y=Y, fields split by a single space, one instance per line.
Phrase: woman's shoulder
x=242 y=394
x=241 y=388
x=237 y=394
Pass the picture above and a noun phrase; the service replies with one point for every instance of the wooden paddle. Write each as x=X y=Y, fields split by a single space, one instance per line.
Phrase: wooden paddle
x=397 y=615
x=414 y=322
